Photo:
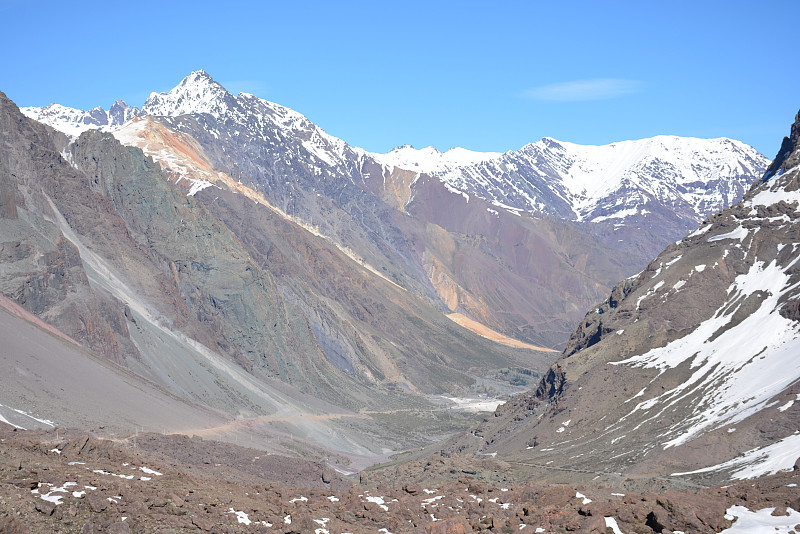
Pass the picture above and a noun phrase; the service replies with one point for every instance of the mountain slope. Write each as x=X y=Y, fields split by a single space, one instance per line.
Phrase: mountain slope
x=688 y=367
x=73 y=121
x=413 y=229
x=678 y=180
x=223 y=301
x=52 y=382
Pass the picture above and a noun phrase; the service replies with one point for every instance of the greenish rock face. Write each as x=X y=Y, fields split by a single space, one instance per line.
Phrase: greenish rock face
x=226 y=304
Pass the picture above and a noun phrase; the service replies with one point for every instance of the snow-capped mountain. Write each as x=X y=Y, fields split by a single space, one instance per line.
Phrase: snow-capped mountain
x=386 y=210
x=620 y=181
x=431 y=161
x=637 y=182
x=689 y=368
x=73 y=121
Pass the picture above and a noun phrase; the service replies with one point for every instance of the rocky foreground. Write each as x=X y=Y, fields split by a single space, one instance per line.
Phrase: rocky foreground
x=72 y=482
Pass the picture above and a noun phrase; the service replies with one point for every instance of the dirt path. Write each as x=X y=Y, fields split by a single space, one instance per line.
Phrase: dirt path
x=232 y=425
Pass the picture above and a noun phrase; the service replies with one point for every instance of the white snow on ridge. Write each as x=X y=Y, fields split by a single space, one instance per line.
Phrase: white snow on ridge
x=738 y=233
x=737 y=374
x=771 y=196
x=431 y=161
x=74 y=122
x=779 y=456
x=197 y=186
x=197 y=93
x=664 y=168
x=580 y=182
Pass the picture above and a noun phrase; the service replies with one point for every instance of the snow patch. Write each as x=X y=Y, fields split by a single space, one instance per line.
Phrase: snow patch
x=240 y=516
x=779 y=456
x=748 y=522
x=731 y=381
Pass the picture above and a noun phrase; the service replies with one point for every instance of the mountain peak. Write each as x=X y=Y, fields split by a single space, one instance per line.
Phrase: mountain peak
x=403 y=147
x=197 y=77
x=196 y=93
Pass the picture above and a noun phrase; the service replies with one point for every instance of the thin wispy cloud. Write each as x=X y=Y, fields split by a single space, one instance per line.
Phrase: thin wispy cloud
x=584 y=90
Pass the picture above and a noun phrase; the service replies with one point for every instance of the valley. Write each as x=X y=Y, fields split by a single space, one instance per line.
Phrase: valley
x=214 y=296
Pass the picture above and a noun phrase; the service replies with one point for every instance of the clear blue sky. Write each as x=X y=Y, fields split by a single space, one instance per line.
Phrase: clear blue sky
x=482 y=75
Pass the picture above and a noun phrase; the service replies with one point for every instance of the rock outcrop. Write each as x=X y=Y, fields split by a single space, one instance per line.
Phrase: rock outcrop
x=687 y=370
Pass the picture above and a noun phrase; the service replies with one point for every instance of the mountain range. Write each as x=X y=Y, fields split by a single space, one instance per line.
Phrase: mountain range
x=233 y=253
x=687 y=370
x=554 y=240
x=219 y=266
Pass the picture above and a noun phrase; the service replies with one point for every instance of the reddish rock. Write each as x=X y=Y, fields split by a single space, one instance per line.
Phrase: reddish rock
x=10 y=525
x=24 y=483
x=412 y=489
x=45 y=507
x=448 y=526
x=593 y=525
x=97 y=503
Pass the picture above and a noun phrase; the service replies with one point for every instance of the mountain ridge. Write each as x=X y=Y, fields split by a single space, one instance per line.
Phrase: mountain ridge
x=389 y=218
x=570 y=193
x=686 y=370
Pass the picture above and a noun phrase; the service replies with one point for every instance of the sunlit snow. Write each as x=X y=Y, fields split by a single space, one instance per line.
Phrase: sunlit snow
x=737 y=373
x=762 y=521
x=779 y=456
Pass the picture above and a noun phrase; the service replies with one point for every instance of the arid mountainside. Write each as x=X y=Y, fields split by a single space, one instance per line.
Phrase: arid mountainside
x=688 y=370
x=237 y=309
x=527 y=272
x=217 y=317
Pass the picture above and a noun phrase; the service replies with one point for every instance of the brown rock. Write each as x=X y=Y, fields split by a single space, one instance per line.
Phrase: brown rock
x=301 y=524
x=97 y=503
x=135 y=508
x=10 y=525
x=203 y=523
x=24 y=483
x=447 y=526
x=412 y=489
x=120 y=527
x=593 y=525
x=45 y=507
x=328 y=475
x=157 y=502
x=780 y=511
x=658 y=519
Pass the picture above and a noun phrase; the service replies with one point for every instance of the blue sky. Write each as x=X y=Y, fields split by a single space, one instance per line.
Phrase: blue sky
x=485 y=76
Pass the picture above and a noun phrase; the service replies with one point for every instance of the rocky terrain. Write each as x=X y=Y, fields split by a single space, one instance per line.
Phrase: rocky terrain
x=73 y=482
x=219 y=318
x=687 y=371
x=242 y=260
